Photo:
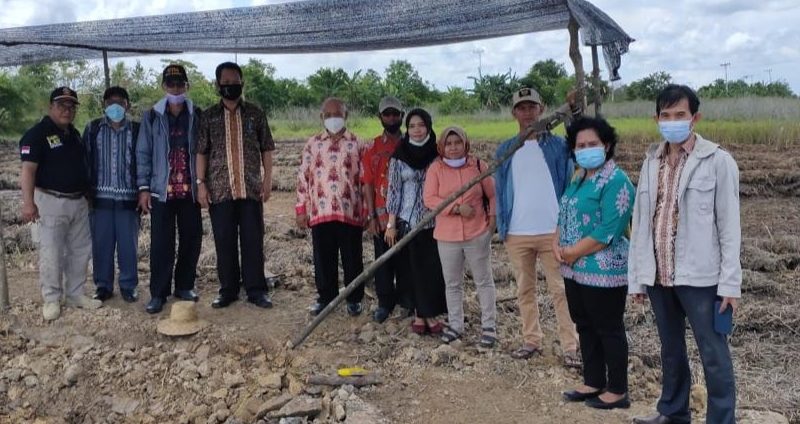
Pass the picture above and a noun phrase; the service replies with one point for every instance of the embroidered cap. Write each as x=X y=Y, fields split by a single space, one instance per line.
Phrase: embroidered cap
x=64 y=93
x=174 y=72
x=526 y=95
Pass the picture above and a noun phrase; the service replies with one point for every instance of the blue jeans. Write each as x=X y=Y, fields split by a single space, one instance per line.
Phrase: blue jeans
x=115 y=230
x=672 y=306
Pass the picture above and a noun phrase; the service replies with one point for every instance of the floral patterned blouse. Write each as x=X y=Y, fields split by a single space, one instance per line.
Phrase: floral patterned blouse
x=599 y=207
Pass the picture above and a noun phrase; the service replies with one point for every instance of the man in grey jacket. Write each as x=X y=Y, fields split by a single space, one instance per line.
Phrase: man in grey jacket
x=166 y=176
x=684 y=255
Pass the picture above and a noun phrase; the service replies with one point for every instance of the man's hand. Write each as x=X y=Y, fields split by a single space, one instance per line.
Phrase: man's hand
x=372 y=226
x=390 y=237
x=302 y=221
x=492 y=224
x=203 y=197
x=29 y=211
x=145 y=203
x=572 y=96
x=732 y=301
x=266 y=190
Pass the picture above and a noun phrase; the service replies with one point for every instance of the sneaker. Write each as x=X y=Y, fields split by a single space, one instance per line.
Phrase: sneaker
x=381 y=314
x=354 y=309
x=51 y=311
x=83 y=302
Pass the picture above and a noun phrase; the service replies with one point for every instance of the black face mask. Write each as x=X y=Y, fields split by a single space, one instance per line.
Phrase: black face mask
x=392 y=128
x=230 y=91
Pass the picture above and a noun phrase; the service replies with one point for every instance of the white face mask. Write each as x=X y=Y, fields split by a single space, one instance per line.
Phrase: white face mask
x=455 y=163
x=419 y=143
x=334 y=124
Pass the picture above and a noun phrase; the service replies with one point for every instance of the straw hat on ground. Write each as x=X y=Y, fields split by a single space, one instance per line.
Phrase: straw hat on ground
x=182 y=320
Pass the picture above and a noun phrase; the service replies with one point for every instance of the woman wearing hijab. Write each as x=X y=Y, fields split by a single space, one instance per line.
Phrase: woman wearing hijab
x=421 y=267
x=463 y=232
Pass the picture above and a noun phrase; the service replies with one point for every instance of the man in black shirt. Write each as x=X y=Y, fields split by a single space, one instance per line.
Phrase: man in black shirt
x=54 y=180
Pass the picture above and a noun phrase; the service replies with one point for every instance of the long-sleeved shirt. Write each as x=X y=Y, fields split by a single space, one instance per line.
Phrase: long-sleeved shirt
x=404 y=199
x=329 y=180
x=441 y=181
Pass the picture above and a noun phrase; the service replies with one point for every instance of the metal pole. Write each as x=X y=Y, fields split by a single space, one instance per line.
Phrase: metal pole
x=105 y=69
x=4 y=302
x=598 y=95
x=537 y=128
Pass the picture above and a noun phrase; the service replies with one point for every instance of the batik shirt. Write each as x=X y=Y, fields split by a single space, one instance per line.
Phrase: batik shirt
x=599 y=207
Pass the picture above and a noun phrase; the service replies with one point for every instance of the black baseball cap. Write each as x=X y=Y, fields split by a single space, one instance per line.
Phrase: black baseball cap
x=64 y=93
x=116 y=91
x=174 y=72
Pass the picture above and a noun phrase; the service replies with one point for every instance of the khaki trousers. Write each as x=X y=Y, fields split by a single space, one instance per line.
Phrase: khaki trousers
x=523 y=252
x=65 y=245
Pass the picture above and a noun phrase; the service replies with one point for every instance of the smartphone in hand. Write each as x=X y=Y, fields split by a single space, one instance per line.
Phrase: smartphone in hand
x=723 y=322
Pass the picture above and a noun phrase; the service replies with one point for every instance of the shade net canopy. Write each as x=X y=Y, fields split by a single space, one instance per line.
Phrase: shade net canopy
x=313 y=26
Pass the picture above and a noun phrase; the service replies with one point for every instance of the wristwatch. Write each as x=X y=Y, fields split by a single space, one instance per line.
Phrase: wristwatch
x=199 y=181
x=389 y=226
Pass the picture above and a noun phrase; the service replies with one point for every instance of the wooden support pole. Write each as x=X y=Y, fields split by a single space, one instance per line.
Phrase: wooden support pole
x=577 y=61
x=4 y=301
x=536 y=129
x=106 y=70
x=598 y=93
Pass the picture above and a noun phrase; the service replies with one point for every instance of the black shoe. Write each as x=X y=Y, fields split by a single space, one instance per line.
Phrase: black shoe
x=155 y=305
x=223 y=302
x=653 y=419
x=189 y=295
x=261 y=301
x=576 y=396
x=381 y=314
x=316 y=308
x=598 y=403
x=354 y=309
x=103 y=294
x=129 y=296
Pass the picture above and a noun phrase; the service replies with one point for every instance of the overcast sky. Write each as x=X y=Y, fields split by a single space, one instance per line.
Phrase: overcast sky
x=687 y=38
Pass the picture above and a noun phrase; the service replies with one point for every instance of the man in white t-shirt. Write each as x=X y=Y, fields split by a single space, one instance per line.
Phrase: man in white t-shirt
x=529 y=185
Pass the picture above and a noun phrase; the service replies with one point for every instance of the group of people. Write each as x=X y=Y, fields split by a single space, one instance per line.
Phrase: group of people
x=87 y=193
x=674 y=238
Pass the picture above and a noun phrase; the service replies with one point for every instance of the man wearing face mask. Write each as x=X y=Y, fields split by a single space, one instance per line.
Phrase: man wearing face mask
x=234 y=168
x=329 y=201
x=111 y=149
x=375 y=164
x=167 y=182
x=684 y=255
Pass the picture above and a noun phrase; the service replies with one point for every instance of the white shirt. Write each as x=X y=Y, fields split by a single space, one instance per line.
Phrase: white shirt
x=535 y=208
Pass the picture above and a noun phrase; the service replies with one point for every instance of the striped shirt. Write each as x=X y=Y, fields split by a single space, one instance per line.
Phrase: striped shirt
x=665 y=220
x=112 y=161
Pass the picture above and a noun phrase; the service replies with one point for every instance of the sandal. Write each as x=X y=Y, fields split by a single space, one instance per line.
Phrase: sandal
x=572 y=359
x=435 y=328
x=419 y=328
x=488 y=338
x=449 y=335
x=526 y=352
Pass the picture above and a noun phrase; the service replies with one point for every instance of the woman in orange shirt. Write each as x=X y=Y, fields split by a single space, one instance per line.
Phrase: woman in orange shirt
x=463 y=232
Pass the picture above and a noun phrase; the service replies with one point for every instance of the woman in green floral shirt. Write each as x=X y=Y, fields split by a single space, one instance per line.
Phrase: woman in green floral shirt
x=593 y=249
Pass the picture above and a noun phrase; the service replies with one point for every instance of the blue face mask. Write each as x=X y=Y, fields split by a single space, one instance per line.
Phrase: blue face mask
x=115 y=112
x=675 y=131
x=591 y=157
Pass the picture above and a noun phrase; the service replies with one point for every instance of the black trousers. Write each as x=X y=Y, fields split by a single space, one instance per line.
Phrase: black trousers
x=598 y=315
x=166 y=217
x=420 y=269
x=239 y=223
x=391 y=291
x=329 y=239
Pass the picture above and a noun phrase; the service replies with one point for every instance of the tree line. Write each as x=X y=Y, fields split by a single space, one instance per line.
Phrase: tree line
x=647 y=88
x=24 y=90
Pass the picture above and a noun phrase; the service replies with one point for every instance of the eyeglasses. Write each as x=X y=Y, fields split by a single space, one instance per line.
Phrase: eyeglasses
x=175 y=84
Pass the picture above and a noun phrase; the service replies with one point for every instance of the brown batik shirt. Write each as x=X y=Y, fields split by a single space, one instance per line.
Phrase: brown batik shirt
x=234 y=141
x=665 y=220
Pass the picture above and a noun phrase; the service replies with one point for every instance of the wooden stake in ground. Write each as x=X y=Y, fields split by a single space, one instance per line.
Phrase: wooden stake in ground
x=535 y=130
x=335 y=380
x=4 y=303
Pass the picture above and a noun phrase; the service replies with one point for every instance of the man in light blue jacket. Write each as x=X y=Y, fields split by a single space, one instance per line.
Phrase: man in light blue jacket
x=167 y=182
x=684 y=255
x=528 y=187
